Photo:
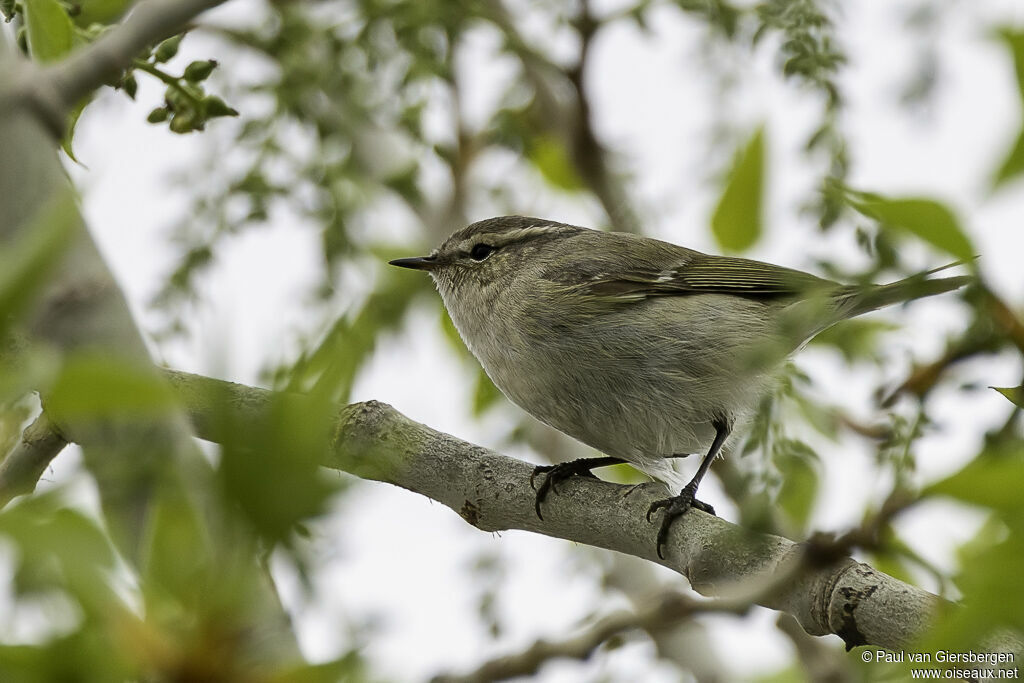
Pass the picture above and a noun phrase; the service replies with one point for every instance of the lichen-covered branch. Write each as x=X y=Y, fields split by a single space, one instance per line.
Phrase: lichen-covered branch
x=492 y=492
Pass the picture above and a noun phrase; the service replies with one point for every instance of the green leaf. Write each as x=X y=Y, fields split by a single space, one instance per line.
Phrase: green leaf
x=737 y=220
x=59 y=546
x=271 y=469
x=485 y=394
x=1014 y=394
x=1014 y=41
x=69 y=135
x=992 y=480
x=25 y=264
x=858 y=339
x=91 y=386
x=50 y=31
x=800 y=480
x=1013 y=164
x=549 y=156
x=929 y=220
x=100 y=11
x=992 y=563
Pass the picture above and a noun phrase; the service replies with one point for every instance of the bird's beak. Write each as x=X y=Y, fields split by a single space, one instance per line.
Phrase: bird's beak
x=417 y=262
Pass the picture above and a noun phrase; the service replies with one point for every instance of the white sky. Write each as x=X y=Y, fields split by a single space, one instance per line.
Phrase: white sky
x=394 y=557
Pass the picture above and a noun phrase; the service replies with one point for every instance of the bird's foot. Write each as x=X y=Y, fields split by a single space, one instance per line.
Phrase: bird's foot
x=559 y=473
x=676 y=507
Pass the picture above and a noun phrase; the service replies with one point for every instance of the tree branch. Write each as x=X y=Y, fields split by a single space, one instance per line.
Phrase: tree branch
x=22 y=468
x=570 y=118
x=147 y=469
x=492 y=492
x=53 y=91
x=663 y=612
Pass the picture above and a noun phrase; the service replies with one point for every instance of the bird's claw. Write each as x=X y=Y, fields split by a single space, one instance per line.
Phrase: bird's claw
x=675 y=507
x=556 y=474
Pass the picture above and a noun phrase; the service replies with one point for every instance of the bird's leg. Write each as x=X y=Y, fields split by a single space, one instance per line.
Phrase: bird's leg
x=677 y=505
x=564 y=470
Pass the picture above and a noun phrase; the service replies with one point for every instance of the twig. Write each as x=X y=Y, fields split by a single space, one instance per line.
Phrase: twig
x=665 y=611
x=570 y=119
x=22 y=468
x=867 y=536
x=168 y=80
x=53 y=91
x=987 y=335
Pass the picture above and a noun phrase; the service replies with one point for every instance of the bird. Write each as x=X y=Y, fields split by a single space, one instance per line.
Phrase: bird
x=642 y=349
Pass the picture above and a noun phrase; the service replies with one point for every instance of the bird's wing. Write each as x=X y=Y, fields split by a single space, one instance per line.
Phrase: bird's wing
x=705 y=274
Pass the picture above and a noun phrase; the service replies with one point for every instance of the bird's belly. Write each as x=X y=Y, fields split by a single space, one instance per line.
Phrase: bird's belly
x=614 y=406
x=635 y=392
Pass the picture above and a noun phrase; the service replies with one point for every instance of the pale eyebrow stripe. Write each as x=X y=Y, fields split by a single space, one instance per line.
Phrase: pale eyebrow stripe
x=500 y=239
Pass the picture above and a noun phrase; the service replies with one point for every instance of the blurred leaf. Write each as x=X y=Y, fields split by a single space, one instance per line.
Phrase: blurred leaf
x=736 y=221
x=992 y=480
x=349 y=668
x=89 y=654
x=178 y=563
x=60 y=547
x=91 y=386
x=989 y=579
x=894 y=565
x=800 y=478
x=271 y=469
x=50 y=31
x=26 y=264
x=794 y=673
x=857 y=339
x=819 y=415
x=1014 y=394
x=99 y=11
x=69 y=134
x=549 y=156
x=451 y=333
x=929 y=220
x=485 y=394
x=12 y=417
x=1013 y=164
x=623 y=473
x=331 y=368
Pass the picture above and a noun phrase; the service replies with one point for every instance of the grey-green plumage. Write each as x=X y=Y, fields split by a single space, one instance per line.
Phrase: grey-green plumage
x=642 y=349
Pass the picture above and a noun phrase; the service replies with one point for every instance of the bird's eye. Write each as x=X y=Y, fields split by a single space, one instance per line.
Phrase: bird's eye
x=480 y=251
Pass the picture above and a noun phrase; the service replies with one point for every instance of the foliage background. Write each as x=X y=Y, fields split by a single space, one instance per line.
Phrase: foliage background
x=371 y=129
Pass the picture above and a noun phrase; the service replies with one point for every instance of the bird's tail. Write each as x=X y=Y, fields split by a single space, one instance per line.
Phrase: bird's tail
x=865 y=299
